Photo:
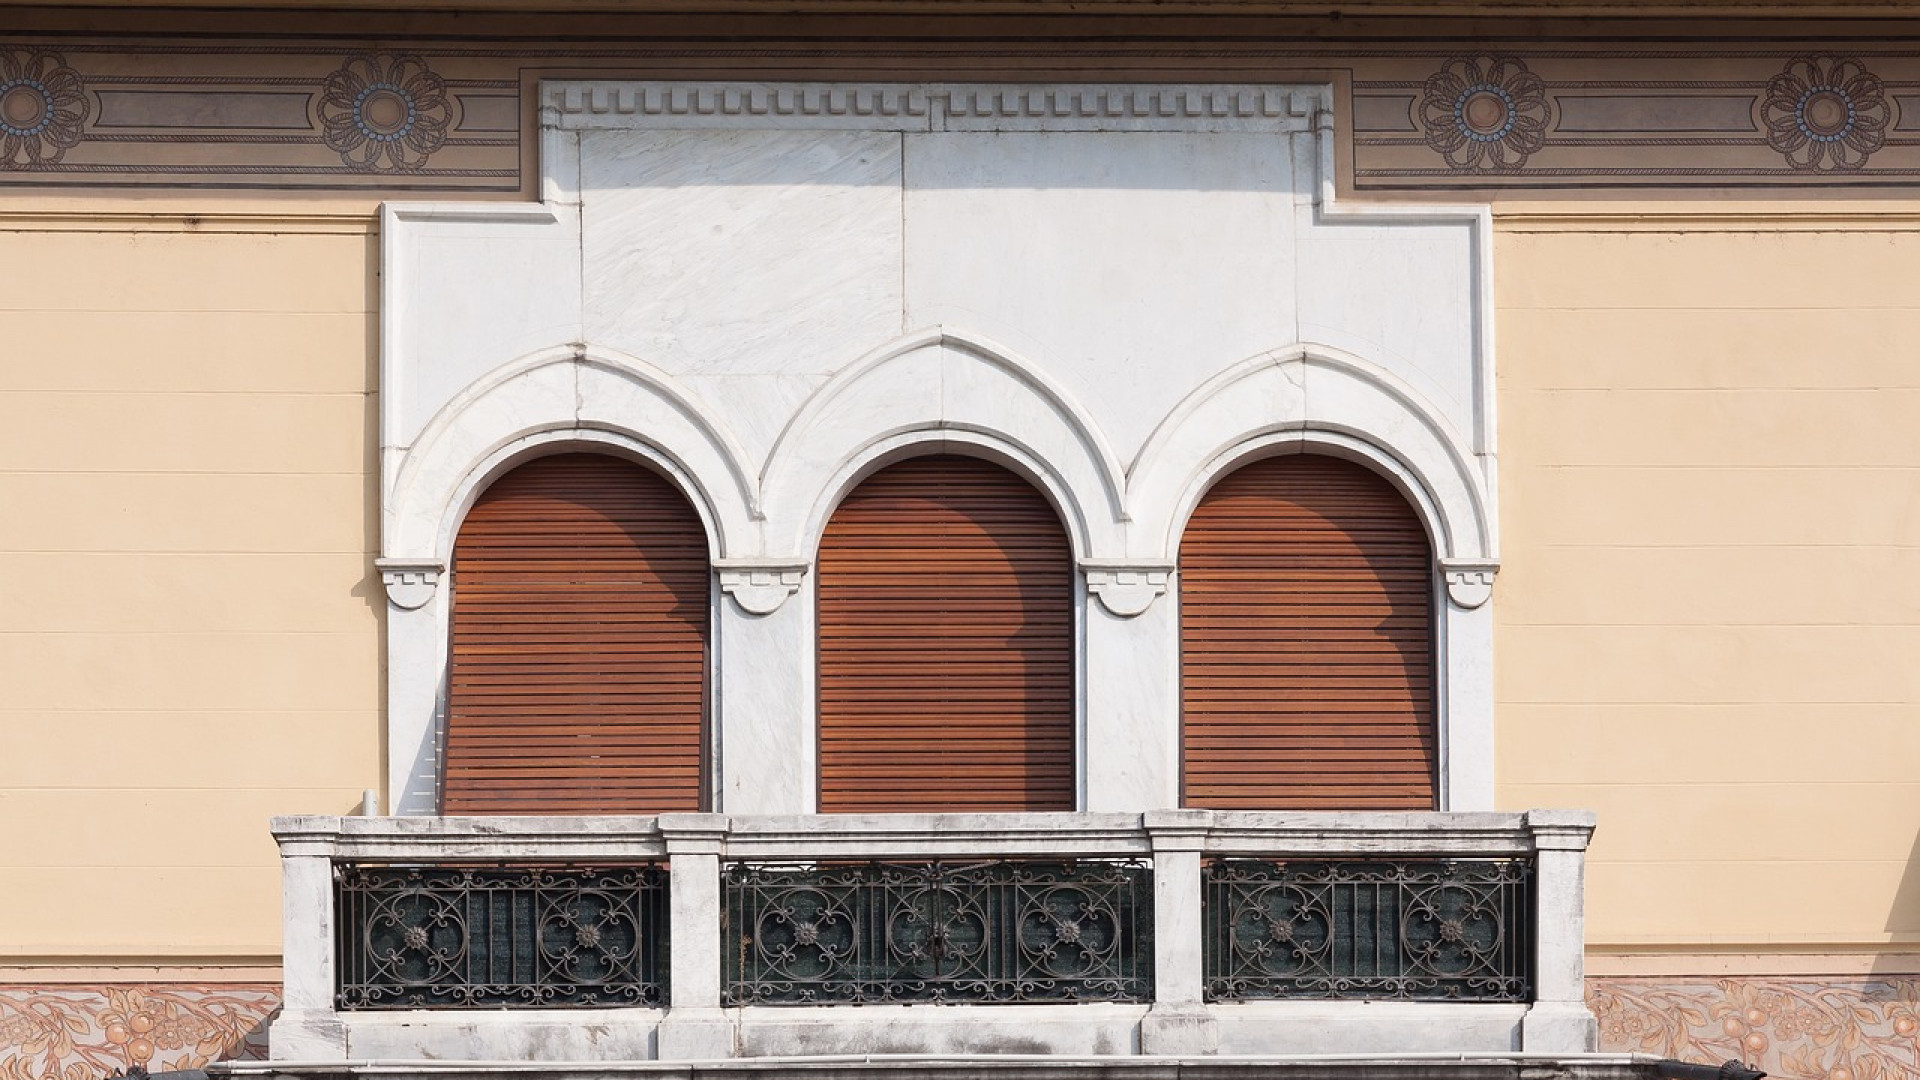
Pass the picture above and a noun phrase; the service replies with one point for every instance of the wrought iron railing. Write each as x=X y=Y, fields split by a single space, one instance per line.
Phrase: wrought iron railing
x=1000 y=931
x=1456 y=929
x=439 y=937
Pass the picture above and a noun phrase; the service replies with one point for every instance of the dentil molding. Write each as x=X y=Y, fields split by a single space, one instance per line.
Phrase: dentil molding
x=760 y=587
x=589 y=104
x=1126 y=589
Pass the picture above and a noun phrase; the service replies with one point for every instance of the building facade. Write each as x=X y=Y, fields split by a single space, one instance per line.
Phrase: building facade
x=1130 y=449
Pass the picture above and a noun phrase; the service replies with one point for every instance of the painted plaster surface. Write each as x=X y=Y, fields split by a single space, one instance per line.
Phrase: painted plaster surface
x=1709 y=604
x=186 y=640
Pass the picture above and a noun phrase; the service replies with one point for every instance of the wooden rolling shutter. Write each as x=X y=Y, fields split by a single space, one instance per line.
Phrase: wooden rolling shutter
x=946 y=644
x=1306 y=594
x=579 y=644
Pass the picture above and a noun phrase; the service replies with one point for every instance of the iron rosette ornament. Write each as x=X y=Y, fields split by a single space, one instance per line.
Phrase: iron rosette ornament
x=385 y=113
x=43 y=105
x=1488 y=114
x=1826 y=113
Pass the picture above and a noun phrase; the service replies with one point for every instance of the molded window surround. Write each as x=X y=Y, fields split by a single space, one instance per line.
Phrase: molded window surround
x=769 y=291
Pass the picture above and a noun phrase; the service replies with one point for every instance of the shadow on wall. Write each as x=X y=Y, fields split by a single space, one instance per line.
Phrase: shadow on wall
x=1903 y=921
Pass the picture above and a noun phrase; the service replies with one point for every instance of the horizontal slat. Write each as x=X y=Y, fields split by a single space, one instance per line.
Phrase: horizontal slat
x=1306 y=589
x=578 y=667
x=945 y=630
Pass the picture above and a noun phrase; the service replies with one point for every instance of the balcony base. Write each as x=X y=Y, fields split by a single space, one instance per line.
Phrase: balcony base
x=989 y=1067
x=1180 y=1031
x=1263 y=1029
x=697 y=1035
x=1559 y=1027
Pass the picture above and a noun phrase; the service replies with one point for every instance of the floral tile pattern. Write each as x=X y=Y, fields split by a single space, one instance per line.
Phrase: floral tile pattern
x=86 y=1033
x=1805 y=1028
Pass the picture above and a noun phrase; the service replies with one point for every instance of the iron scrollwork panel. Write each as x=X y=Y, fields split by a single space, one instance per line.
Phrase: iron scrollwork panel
x=1002 y=931
x=1456 y=930
x=461 y=937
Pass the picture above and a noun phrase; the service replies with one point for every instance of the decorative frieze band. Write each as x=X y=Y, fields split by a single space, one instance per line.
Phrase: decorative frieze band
x=930 y=107
x=447 y=115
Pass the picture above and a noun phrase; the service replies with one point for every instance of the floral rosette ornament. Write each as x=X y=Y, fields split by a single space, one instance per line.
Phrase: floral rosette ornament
x=1484 y=113
x=42 y=107
x=385 y=113
x=1826 y=113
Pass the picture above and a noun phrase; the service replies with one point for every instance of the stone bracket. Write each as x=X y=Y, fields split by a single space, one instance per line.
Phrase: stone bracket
x=1469 y=581
x=760 y=587
x=410 y=582
x=1126 y=589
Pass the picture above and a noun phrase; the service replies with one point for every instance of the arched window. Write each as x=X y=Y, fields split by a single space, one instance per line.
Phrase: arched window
x=578 y=660
x=946 y=644
x=1306 y=659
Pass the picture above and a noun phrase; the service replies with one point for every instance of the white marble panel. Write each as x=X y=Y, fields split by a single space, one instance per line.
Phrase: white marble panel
x=802 y=1031
x=1133 y=707
x=1307 y=1027
x=757 y=407
x=1129 y=266
x=753 y=252
x=540 y=1035
x=1400 y=296
x=468 y=296
x=765 y=695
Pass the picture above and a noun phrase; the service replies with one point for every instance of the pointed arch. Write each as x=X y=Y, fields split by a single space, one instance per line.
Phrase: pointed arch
x=1321 y=399
x=941 y=389
x=557 y=397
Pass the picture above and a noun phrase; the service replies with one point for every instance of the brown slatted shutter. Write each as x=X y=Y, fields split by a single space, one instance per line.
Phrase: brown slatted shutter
x=1306 y=607
x=579 y=644
x=946 y=644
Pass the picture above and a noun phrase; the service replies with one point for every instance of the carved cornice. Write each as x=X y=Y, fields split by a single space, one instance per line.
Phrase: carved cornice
x=1126 y=589
x=1469 y=581
x=760 y=587
x=931 y=107
x=410 y=582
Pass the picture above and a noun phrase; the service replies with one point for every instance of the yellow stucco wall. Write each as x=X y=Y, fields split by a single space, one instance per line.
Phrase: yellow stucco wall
x=1710 y=485
x=189 y=633
x=1706 y=621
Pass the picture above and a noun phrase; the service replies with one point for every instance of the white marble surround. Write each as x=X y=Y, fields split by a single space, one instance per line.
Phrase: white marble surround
x=770 y=290
x=694 y=1026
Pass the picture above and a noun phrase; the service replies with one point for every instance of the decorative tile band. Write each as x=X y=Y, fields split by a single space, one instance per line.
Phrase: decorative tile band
x=91 y=1032
x=1807 y=1028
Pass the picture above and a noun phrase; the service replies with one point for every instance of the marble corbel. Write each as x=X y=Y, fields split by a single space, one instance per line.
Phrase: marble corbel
x=1126 y=589
x=760 y=587
x=1469 y=581
x=410 y=582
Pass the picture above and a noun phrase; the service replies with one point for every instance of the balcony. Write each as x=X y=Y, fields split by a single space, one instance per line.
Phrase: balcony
x=703 y=937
